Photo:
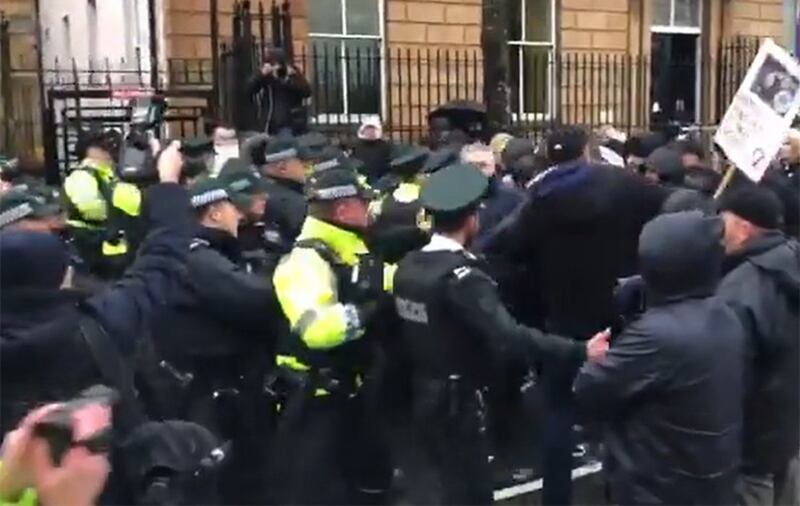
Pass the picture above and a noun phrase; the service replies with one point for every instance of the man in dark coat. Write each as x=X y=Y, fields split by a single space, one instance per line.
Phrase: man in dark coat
x=43 y=353
x=763 y=286
x=372 y=150
x=670 y=385
x=281 y=89
x=219 y=339
x=577 y=233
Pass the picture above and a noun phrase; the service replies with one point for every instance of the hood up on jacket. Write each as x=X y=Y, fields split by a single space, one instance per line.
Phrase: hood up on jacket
x=680 y=255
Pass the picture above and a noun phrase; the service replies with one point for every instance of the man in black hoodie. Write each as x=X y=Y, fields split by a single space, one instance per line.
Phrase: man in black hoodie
x=218 y=339
x=45 y=326
x=670 y=386
x=763 y=286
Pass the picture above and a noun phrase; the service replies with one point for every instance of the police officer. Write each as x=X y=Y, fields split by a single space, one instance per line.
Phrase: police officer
x=260 y=254
x=457 y=330
x=329 y=288
x=26 y=208
x=282 y=162
x=102 y=211
x=216 y=342
x=399 y=224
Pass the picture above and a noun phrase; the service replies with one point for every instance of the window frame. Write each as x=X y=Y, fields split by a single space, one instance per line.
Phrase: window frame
x=675 y=29
x=519 y=112
x=347 y=117
x=671 y=29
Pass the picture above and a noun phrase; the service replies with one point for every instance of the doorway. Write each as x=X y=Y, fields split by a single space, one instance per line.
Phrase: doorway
x=674 y=77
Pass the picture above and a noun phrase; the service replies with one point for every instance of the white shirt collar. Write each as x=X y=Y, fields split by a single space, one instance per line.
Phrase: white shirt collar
x=441 y=243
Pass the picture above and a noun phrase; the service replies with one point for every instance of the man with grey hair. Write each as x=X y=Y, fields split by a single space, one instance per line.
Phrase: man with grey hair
x=500 y=199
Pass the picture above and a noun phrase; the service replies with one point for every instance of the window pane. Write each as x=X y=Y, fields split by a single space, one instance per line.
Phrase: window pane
x=687 y=13
x=535 y=79
x=661 y=12
x=515 y=19
x=325 y=16
x=362 y=17
x=538 y=20
x=362 y=59
x=326 y=76
x=531 y=88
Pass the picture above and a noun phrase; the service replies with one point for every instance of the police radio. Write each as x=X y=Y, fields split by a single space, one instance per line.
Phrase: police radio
x=136 y=158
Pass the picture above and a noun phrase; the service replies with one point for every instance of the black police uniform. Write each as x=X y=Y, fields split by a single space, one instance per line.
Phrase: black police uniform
x=260 y=253
x=286 y=207
x=456 y=330
x=216 y=344
x=399 y=223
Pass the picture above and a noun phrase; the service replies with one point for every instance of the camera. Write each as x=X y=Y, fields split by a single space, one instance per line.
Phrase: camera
x=57 y=427
x=136 y=159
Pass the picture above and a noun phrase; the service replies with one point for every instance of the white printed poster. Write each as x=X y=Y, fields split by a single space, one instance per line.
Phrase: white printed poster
x=756 y=122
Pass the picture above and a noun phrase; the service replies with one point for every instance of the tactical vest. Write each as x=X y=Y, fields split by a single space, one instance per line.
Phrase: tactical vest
x=346 y=361
x=439 y=345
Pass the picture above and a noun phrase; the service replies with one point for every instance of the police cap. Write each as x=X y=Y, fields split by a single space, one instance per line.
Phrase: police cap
x=408 y=160
x=241 y=177
x=23 y=202
x=334 y=179
x=312 y=143
x=210 y=190
x=195 y=147
x=455 y=188
x=440 y=158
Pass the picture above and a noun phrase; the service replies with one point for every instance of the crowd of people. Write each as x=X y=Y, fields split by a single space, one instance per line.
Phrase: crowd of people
x=317 y=323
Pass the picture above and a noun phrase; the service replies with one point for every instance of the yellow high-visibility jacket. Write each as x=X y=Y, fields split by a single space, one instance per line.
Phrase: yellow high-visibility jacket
x=306 y=287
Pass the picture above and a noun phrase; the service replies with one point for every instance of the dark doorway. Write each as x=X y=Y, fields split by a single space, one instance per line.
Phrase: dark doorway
x=674 y=72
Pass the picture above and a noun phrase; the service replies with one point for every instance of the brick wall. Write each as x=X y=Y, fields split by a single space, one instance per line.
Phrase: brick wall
x=598 y=25
x=440 y=23
x=763 y=18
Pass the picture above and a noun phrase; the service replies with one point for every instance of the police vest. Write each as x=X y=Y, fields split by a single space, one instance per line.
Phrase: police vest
x=120 y=202
x=345 y=361
x=439 y=345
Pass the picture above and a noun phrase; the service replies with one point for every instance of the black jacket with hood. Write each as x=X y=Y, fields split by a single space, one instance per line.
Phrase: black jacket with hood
x=576 y=233
x=763 y=287
x=670 y=387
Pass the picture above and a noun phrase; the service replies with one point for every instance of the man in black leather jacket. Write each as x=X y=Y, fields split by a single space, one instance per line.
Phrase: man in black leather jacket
x=763 y=286
x=670 y=386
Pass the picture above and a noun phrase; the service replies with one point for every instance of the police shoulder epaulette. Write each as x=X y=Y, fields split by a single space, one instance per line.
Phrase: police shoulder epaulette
x=197 y=242
x=462 y=272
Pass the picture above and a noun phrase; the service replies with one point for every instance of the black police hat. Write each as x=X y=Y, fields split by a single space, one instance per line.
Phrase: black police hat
x=210 y=190
x=194 y=147
x=455 y=188
x=22 y=202
x=440 y=158
x=241 y=177
x=407 y=159
x=334 y=179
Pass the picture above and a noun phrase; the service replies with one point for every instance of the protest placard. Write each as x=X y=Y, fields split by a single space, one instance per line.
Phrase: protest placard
x=761 y=112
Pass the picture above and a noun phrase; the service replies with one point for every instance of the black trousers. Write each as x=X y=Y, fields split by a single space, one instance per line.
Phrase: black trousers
x=456 y=441
x=326 y=451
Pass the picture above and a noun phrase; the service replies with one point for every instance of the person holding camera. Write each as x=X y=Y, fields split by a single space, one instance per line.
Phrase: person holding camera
x=54 y=342
x=29 y=475
x=278 y=91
